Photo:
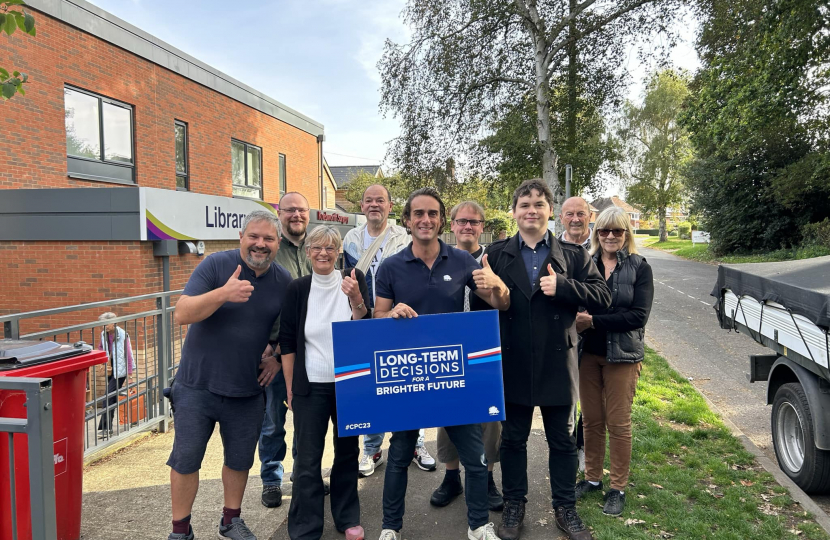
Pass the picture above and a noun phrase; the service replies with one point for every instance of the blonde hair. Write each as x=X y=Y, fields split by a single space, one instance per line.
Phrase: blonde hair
x=613 y=218
x=474 y=206
x=322 y=236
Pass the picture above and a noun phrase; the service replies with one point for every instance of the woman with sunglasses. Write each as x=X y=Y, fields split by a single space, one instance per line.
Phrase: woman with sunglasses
x=312 y=304
x=612 y=354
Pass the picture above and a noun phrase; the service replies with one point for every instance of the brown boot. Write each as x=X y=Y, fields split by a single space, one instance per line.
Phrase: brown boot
x=568 y=520
x=512 y=520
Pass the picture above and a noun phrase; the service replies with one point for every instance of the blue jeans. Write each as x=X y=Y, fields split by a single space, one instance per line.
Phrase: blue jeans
x=372 y=443
x=272 y=445
x=467 y=440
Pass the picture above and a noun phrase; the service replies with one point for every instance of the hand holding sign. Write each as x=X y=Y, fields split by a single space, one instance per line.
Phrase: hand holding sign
x=238 y=290
x=548 y=283
x=485 y=278
x=402 y=311
x=351 y=289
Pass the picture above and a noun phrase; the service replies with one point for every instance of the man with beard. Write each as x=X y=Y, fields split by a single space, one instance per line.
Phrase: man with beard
x=294 y=216
x=231 y=302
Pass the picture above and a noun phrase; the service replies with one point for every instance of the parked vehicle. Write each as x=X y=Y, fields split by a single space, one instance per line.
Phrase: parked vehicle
x=785 y=306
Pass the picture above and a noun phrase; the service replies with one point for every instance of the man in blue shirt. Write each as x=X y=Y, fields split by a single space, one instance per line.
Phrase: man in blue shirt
x=230 y=302
x=428 y=277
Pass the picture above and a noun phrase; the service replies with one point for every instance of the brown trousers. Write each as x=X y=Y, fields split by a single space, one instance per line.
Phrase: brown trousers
x=606 y=393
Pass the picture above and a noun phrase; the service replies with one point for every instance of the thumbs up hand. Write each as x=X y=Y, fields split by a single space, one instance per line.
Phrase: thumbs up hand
x=237 y=290
x=548 y=283
x=351 y=288
x=484 y=277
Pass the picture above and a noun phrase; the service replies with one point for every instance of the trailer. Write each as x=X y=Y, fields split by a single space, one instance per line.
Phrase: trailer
x=785 y=306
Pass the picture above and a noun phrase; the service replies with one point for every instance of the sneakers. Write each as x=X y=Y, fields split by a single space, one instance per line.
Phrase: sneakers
x=423 y=460
x=447 y=491
x=512 y=520
x=355 y=533
x=388 y=534
x=614 y=503
x=369 y=463
x=584 y=487
x=237 y=530
x=271 y=496
x=180 y=536
x=569 y=522
x=485 y=532
x=494 y=498
x=580 y=456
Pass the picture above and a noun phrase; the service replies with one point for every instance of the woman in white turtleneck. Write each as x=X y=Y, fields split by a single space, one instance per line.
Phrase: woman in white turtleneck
x=312 y=303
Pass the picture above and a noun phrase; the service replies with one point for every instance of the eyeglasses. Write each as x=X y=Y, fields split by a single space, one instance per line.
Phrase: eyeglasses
x=473 y=222
x=301 y=211
x=330 y=250
x=616 y=232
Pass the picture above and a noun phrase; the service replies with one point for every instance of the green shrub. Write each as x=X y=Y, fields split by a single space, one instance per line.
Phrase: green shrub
x=650 y=232
x=684 y=228
x=817 y=234
x=673 y=233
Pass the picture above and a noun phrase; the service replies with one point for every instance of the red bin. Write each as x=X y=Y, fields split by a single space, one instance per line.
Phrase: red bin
x=66 y=365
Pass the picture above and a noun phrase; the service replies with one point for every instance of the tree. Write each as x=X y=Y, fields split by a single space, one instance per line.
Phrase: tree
x=759 y=123
x=10 y=21
x=469 y=60
x=656 y=146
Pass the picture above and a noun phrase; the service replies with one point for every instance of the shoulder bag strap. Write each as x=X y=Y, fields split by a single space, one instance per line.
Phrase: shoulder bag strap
x=371 y=251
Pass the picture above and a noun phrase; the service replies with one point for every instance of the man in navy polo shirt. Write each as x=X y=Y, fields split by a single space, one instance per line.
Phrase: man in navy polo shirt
x=230 y=302
x=428 y=277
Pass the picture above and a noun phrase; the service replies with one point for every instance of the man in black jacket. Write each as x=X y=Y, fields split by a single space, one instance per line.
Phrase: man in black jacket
x=548 y=280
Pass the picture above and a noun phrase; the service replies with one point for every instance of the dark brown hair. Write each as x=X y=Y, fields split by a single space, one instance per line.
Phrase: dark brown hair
x=528 y=187
x=429 y=192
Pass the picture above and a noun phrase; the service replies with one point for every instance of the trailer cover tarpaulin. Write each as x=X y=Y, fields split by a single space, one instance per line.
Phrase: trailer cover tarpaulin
x=803 y=286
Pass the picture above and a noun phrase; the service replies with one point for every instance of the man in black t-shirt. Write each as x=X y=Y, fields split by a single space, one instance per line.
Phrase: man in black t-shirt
x=230 y=302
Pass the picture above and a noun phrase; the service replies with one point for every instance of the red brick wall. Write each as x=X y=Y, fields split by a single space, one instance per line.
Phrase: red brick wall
x=33 y=153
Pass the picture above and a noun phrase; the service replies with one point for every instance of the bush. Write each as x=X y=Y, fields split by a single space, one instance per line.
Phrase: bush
x=650 y=232
x=673 y=233
x=817 y=234
x=684 y=228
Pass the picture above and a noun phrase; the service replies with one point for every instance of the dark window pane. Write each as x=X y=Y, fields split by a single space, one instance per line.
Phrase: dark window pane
x=181 y=156
x=181 y=182
x=82 y=128
x=254 y=162
x=238 y=163
x=118 y=134
x=283 y=187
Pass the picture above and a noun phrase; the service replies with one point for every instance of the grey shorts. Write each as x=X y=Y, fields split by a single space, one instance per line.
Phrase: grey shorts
x=490 y=436
x=198 y=411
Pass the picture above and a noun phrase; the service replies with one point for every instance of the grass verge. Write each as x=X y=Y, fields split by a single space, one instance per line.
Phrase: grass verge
x=701 y=253
x=690 y=477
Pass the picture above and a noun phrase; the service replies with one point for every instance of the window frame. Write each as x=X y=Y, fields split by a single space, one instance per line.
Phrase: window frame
x=283 y=175
x=186 y=174
x=102 y=169
x=245 y=146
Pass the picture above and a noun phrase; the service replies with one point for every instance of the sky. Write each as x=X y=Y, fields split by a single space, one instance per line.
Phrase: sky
x=318 y=57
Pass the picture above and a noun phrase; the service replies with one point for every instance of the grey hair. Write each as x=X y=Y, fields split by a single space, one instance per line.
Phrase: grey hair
x=106 y=316
x=262 y=215
x=322 y=236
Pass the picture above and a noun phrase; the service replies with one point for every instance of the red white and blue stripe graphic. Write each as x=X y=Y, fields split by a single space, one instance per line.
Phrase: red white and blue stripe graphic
x=350 y=372
x=482 y=357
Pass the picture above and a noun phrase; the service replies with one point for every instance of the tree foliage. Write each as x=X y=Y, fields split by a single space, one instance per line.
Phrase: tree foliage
x=470 y=62
x=760 y=122
x=656 y=147
x=10 y=21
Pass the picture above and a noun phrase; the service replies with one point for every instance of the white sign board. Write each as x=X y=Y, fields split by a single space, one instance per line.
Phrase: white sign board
x=700 y=237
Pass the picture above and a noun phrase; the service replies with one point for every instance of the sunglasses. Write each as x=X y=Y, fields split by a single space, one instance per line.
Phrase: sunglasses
x=616 y=232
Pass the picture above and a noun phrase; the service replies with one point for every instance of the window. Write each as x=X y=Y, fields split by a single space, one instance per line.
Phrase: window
x=283 y=187
x=99 y=137
x=182 y=176
x=246 y=163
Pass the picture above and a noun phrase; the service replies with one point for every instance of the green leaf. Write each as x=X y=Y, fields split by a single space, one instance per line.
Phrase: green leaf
x=7 y=90
x=11 y=24
x=24 y=77
x=33 y=33
x=21 y=20
x=20 y=90
x=28 y=24
x=16 y=74
x=14 y=2
x=3 y=74
x=2 y=22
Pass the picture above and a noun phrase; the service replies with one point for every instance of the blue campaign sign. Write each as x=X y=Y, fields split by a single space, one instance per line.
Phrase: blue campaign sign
x=430 y=371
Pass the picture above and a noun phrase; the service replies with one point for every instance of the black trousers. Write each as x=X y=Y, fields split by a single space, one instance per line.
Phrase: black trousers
x=113 y=385
x=562 y=460
x=311 y=421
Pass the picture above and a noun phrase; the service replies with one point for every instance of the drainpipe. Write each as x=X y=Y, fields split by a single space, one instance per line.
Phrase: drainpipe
x=320 y=138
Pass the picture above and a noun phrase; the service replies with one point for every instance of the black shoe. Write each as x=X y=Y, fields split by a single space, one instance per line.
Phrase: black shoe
x=583 y=487
x=447 y=491
x=271 y=496
x=570 y=523
x=494 y=498
x=512 y=520
x=326 y=488
x=614 y=503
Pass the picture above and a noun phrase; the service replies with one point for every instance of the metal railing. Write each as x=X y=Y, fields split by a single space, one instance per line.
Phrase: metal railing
x=136 y=399
x=37 y=426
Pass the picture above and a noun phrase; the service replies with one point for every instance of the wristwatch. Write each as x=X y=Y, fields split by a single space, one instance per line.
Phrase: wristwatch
x=359 y=306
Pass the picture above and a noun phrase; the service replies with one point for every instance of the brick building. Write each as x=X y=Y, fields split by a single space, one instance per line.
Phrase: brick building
x=124 y=151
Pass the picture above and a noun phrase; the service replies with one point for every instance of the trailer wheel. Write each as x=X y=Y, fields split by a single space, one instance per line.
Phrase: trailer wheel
x=792 y=435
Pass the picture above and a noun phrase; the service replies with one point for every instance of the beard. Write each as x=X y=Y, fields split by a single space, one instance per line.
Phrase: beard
x=258 y=264
x=297 y=228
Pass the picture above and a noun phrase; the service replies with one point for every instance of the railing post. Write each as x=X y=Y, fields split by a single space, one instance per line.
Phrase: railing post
x=41 y=460
x=164 y=360
x=11 y=329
